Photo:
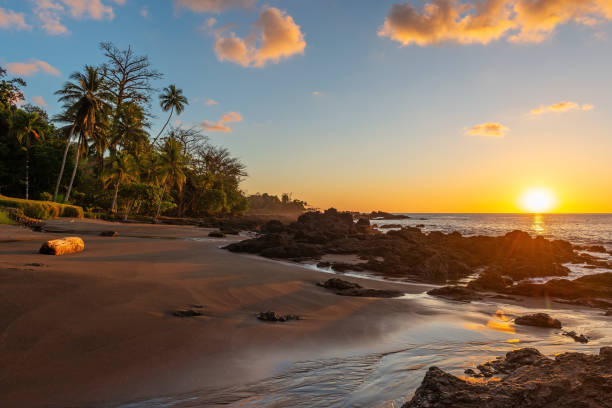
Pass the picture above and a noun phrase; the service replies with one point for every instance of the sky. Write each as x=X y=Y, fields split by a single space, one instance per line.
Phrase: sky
x=419 y=106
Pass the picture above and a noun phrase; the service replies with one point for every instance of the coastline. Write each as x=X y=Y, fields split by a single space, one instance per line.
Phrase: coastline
x=95 y=328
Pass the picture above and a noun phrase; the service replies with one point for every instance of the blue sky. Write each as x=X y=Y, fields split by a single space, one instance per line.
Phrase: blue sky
x=395 y=122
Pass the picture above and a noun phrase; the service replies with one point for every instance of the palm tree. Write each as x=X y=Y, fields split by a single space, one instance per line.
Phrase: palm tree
x=122 y=169
x=170 y=100
x=131 y=131
x=84 y=98
x=171 y=168
x=27 y=127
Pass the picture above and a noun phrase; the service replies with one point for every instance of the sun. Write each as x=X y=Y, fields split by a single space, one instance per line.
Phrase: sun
x=538 y=200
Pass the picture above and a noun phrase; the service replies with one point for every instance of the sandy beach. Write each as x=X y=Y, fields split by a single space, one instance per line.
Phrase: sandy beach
x=96 y=328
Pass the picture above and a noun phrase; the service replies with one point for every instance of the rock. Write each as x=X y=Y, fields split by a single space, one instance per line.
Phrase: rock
x=186 y=313
x=345 y=288
x=381 y=215
x=230 y=231
x=63 y=246
x=457 y=293
x=579 y=338
x=270 y=316
x=591 y=248
x=109 y=234
x=538 y=320
x=389 y=226
x=524 y=379
x=216 y=234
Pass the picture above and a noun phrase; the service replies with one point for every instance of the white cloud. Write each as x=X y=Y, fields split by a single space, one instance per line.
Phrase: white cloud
x=561 y=107
x=39 y=100
x=489 y=129
x=50 y=12
x=210 y=102
x=12 y=20
x=213 y=6
x=31 y=67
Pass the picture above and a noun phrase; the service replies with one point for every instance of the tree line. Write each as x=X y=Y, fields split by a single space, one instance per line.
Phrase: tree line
x=99 y=152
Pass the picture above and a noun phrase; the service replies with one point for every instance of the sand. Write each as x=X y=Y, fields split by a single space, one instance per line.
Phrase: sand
x=95 y=328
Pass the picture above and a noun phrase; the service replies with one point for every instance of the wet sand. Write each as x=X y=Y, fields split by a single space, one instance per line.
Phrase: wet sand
x=95 y=328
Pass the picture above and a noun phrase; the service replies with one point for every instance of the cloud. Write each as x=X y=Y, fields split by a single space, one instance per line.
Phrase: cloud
x=561 y=107
x=489 y=129
x=50 y=12
x=144 y=12
x=274 y=37
x=210 y=102
x=443 y=21
x=316 y=93
x=213 y=6
x=38 y=100
x=220 y=126
x=9 y=20
x=31 y=67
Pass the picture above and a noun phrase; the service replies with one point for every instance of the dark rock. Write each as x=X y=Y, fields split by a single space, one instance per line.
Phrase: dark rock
x=457 y=293
x=186 y=313
x=381 y=215
x=346 y=288
x=270 y=316
x=389 y=226
x=272 y=226
x=109 y=234
x=230 y=231
x=524 y=379
x=579 y=338
x=216 y=234
x=538 y=320
x=591 y=248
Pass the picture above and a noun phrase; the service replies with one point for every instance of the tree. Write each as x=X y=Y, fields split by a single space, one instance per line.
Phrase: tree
x=131 y=130
x=84 y=98
x=170 y=100
x=122 y=170
x=27 y=127
x=10 y=91
x=171 y=168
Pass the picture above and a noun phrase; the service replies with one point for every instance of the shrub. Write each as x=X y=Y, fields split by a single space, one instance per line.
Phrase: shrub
x=44 y=196
x=42 y=209
x=5 y=219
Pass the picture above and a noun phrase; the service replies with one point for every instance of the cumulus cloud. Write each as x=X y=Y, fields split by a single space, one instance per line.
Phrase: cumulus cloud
x=213 y=6
x=221 y=125
x=210 y=102
x=11 y=20
x=50 y=12
x=39 y=100
x=561 y=107
x=483 y=21
x=489 y=129
x=274 y=37
x=31 y=67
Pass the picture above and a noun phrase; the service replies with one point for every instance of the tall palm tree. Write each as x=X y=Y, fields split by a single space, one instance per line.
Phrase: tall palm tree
x=171 y=168
x=131 y=131
x=122 y=169
x=170 y=100
x=27 y=127
x=84 y=98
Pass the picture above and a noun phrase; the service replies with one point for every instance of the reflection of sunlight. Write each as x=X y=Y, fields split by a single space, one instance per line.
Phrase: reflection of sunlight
x=500 y=326
x=513 y=341
x=480 y=380
x=538 y=224
x=473 y=326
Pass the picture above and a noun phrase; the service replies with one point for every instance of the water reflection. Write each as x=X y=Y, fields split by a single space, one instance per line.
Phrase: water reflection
x=538 y=225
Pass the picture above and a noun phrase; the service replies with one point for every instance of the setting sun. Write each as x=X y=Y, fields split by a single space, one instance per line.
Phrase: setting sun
x=538 y=200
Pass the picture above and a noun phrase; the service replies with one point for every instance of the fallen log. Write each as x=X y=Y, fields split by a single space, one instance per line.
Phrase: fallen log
x=63 y=246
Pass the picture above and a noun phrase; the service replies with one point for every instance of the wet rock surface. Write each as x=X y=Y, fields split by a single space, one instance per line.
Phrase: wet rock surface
x=523 y=379
x=216 y=234
x=109 y=234
x=270 y=316
x=186 y=313
x=580 y=338
x=409 y=253
x=346 y=288
x=538 y=320
x=458 y=293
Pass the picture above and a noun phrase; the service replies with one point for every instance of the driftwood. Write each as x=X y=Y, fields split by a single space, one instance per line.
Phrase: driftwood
x=63 y=246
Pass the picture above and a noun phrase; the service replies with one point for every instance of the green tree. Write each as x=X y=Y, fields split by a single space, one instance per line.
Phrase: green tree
x=10 y=91
x=122 y=169
x=27 y=127
x=171 y=99
x=171 y=168
x=84 y=98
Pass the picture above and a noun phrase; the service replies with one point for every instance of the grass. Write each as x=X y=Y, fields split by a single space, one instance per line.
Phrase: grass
x=42 y=209
x=5 y=219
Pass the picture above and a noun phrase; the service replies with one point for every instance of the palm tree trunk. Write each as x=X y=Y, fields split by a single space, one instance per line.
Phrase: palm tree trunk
x=27 y=195
x=114 y=206
x=162 y=129
x=61 y=173
x=160 y=200
x=76 y=165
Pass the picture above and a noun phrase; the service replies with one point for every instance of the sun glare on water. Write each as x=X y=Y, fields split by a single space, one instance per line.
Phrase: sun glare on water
x=538 y=200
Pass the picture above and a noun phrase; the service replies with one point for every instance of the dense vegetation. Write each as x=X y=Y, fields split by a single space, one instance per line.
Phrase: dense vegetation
x=266 y=203
x=98 y=153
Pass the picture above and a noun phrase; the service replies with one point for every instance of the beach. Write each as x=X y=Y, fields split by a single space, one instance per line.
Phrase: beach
x=97 y=328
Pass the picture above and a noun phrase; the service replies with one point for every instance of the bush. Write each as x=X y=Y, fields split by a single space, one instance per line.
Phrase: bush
x=5 y=219
x=42 y=209
x=44 y=196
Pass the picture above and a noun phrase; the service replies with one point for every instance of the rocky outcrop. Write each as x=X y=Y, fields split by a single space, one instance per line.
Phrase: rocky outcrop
x=523 y=379
x=580 y=338
x=381 y=215
x=346 y=288
x=270 y=316
x=216 y=234
x=457 y=293
x=538 y=320
x=63 y=246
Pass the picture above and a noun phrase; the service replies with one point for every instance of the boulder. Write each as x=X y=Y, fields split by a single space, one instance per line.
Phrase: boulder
x=579 y=338
x=63 y=246
x=346 y=288
x=538 y=320
x=109 y=234
x=270 y=316
x=216 y=234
